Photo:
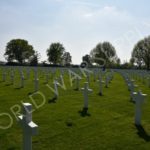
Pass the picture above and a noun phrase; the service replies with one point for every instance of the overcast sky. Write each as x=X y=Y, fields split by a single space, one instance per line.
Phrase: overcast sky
x=78 y=24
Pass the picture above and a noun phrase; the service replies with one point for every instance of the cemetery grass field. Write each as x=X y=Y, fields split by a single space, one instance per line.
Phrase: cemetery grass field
x=109 y=124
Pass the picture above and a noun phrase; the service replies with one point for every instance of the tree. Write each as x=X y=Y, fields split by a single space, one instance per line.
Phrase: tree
x=55 y=53
x=118 y=61
x=18 y=50
x=87 y=59
x=104 y=54
x=132 y=61
x=34 y=59
x=67 y=59
x=141 y=53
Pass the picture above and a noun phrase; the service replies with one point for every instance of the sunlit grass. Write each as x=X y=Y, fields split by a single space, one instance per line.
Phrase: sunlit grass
x=109 y=125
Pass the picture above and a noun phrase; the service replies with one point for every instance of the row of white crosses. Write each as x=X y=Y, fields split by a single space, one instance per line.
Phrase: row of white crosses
x=130 y=84
x=12 y=75
x=137 y=97
x=140 y=76
x=86 y=90
x=29 y=127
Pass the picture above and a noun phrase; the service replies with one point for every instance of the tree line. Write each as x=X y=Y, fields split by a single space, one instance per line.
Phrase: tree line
x=20 y=51
x=103 y=54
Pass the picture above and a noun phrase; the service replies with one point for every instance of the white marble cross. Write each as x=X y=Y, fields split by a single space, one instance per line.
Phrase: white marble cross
x=53 y=72
x=36 y=80
x=88 y=78
x=21 y=71
x=86 y=91
x=12 y=76
x=62 y=72
x=56 y=88
x=22 y=80
x=29 y=127
x=78 y=83
x=139 y=99
x=61 y=79
x=132 y=87
x=100 y=85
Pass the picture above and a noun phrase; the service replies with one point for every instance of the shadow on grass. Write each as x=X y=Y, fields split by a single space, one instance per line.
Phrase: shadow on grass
x=142 y=133
x=8 y=84
x=100 y=94
x=30 y=93
x=45 y=82
x=18 y=88
x=69 y=123
x=131 y=100
x=84 y=112
x=53 y=100
x=76 y=89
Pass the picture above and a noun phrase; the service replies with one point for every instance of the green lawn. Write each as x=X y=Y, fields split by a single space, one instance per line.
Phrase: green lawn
x=108 y=126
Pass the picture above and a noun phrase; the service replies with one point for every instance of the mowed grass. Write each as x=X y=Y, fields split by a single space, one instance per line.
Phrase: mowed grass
x=109 y=124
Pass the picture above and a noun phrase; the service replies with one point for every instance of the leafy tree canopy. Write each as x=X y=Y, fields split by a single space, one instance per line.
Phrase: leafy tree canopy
x=18 y=50
x=55 y=53
x=104 y=54
x=141 y=53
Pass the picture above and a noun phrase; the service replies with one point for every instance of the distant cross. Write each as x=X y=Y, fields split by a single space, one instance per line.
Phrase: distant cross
x=12 y=76
x=36 y=80
x=29 y=127
x=21 y=71
x=88 y=78
x=86 y=91
x=139 y=99
x=100 y=85
x=78 y=83
x=56 y=88
x=53 y=73
x=132 y=87
x=22 y=80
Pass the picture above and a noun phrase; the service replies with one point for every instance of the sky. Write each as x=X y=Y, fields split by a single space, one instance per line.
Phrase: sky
x=78 y=24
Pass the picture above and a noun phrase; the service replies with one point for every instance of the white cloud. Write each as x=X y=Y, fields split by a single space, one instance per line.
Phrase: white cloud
x=79 y=25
